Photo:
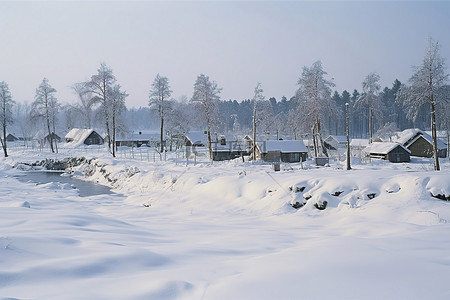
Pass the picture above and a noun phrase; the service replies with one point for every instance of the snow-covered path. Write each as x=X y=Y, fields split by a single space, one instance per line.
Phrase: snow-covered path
x=220 y=234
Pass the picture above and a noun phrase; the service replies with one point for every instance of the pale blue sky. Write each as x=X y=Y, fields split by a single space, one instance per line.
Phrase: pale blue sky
x=236 y=43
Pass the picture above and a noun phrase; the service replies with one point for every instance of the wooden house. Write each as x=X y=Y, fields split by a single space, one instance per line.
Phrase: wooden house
x=138 y=139
x=334 y=142
x=420 y=143
x=78 y=136
x=394 y=152
x=285 y=151
x=11 y=138
x=229 y=148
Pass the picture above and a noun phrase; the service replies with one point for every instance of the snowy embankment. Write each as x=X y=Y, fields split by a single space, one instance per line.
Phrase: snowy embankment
x=226 y=231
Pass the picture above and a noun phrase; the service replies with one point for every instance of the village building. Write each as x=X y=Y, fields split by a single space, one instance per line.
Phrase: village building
x=420 y=143
x=282 y=151
x=359 y=144
x=138 y=139
x=226 y=148
x=334 y=142
x=11 y=138
x=394 y=152
x=78 y=136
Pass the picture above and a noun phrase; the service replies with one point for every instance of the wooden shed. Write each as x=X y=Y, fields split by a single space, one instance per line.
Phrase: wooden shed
x=394 y=152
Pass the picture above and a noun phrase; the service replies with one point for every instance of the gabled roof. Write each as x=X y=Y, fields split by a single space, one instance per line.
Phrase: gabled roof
x=341 y=139
x=383 y=147
x=78 y=135
x=197 y=137
x=440 y=144
x=283 y=146
x=407 y=136
x=359 y=143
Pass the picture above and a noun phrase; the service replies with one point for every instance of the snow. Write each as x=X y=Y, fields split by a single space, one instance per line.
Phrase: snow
x=225 y=231
x=383 y=147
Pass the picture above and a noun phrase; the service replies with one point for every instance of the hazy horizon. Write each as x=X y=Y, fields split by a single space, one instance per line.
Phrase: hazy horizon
x=235 y=43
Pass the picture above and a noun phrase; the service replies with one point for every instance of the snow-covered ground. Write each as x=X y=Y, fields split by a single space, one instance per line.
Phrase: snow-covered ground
x=225 y=231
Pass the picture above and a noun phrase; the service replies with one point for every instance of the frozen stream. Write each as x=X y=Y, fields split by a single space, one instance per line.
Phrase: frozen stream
x=84 y=188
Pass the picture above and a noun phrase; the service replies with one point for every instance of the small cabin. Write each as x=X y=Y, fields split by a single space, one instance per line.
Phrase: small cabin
x=83 y=136
x=394 y=152
x=285 y=151
x=11 y=138
x=334 y=142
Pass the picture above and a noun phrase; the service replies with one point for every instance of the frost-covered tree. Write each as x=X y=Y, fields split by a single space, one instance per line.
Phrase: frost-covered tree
x=85 y=105
x=427 y=87
x=116 y=106
x=314 y=98
x=6 y=104
x=45 y=107
x=159 y=96
x=98 y=86
x=258 y=97
x=370 y=99
x=206 y=95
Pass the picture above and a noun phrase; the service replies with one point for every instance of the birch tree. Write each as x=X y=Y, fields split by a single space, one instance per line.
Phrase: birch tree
x=45 y=108
x=426 y=87
x=314 y=98
x=159 y=96
x=370 y=99
x=98 y=86
x=116 y=107
x=6 y=104
x=206 y=95
x=258 y=97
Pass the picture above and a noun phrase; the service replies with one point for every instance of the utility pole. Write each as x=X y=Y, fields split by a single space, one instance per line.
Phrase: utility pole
x=348 y=137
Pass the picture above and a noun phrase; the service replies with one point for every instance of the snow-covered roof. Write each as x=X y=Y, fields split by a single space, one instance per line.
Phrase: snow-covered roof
x=197 y=137
x=383 y=147
x=78 y=135
x=341 y=139
x=284 y=146
x=359 y=143
x=409 y=136
x=406 y=136
x=141 y=136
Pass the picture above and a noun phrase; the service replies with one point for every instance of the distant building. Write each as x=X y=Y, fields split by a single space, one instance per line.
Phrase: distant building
x=138 y=139
x=284 y=151
x=394 y=152
x=78 y=136
x=229 y=148
x=11 y=138
x=334 y=142
x=359 y=144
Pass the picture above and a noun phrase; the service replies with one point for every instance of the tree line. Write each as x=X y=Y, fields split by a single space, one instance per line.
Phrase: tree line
x=315 y=109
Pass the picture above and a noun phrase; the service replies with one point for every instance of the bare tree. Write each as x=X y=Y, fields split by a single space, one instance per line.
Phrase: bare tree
x=314 y=95
x=45 y=107
x=426 y=87
x=370 y=98
x=98 y=86
x=159 y=94
x=206 y=94
x=6 y=104
x=116 y=108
